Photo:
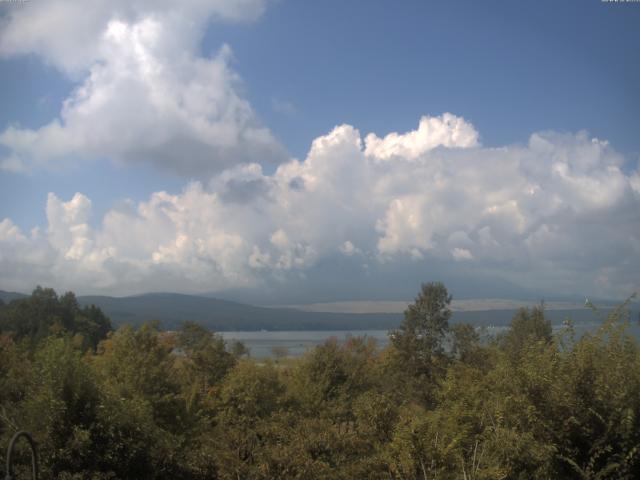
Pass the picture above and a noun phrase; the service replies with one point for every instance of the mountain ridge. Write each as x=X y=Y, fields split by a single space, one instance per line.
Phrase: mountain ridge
x=172 y=309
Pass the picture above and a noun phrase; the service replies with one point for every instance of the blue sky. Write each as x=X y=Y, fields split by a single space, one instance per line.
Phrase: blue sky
x=291 y=72
x=512 y=68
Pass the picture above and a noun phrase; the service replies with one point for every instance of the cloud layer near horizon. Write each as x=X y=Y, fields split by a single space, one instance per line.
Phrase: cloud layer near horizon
x=144 y=93
x=560 y=214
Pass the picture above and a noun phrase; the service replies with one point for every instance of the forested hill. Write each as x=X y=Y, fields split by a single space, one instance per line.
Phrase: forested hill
x=171 y=309
x=6 y=297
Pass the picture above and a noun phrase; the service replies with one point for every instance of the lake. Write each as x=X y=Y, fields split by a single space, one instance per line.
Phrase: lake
x=261 y=344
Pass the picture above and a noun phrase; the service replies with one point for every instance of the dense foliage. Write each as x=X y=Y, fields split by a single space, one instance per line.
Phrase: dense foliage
x=44 y=313
x=438 y=403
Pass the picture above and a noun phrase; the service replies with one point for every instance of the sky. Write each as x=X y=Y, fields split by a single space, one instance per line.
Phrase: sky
x=299 y=151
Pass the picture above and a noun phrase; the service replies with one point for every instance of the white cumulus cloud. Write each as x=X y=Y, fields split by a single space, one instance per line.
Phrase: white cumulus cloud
x=559 y=214
x=447 y=130
x=144 y=92
x=70 y=36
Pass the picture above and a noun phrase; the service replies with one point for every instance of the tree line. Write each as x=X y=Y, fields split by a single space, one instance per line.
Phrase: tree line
x=439 y=402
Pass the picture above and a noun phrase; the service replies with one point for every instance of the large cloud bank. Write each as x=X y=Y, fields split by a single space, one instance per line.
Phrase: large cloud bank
x=144 y=92
x=559 y=214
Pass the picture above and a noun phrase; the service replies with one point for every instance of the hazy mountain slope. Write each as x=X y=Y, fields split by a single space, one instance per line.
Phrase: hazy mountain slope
x=6 y=297
x=171 y=309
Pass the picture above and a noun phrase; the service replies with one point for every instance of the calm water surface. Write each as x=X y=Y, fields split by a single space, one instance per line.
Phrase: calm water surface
x=295 y=343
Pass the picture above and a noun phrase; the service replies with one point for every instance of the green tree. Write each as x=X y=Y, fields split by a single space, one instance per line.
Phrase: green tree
x=466 y=346
x=419 y=341
x=249 y=396
x=60 y=408
x=144 y=415
x=44 y=313
x=527 y=326
x=206 y=360
x=328 y=378
x=594 y=410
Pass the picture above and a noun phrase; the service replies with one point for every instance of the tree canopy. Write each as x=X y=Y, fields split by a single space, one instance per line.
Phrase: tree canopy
x=45 y=313
x=439 y=402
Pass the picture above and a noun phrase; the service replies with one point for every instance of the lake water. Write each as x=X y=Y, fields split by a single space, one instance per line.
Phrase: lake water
x=262 y=344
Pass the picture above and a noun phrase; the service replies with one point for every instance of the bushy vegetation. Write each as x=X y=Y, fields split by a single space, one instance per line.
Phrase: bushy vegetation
x=438 y=403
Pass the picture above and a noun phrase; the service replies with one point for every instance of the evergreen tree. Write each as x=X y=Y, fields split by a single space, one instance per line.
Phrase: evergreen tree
x=419 y=341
